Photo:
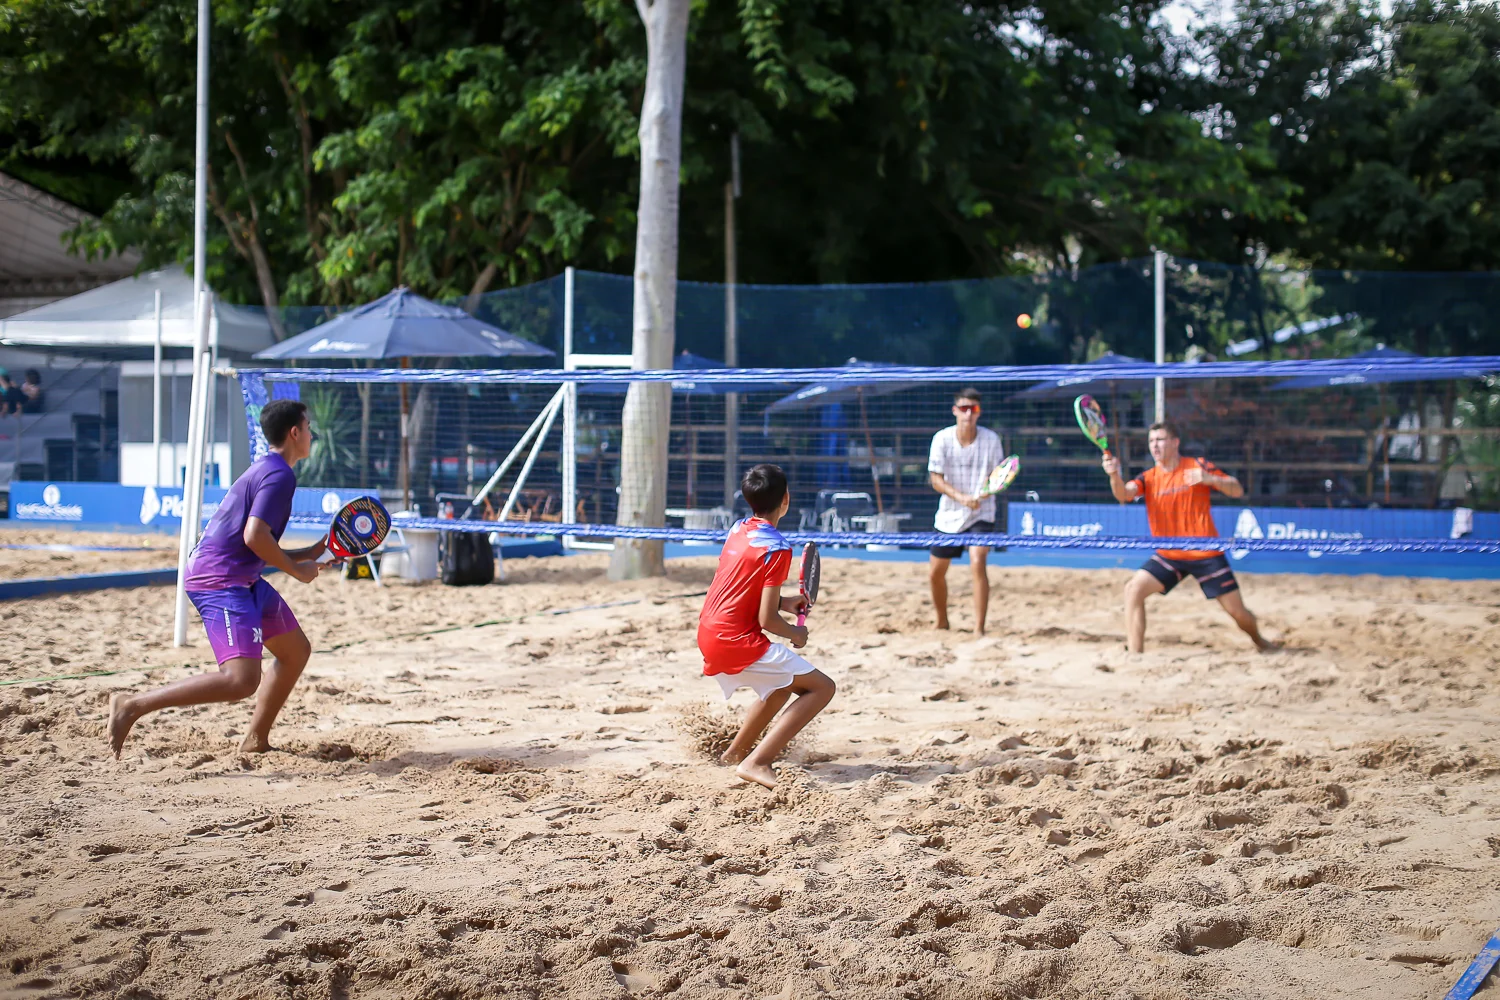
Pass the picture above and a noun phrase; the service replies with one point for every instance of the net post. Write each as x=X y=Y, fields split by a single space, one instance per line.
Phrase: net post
x=570 y=414
x=192 y=487
x=731 y=328
x=1161 y=332
x=548 y=415
x=156 y=356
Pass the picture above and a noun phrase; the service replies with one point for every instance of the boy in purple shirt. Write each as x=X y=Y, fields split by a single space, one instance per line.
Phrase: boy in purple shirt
x=241 y=611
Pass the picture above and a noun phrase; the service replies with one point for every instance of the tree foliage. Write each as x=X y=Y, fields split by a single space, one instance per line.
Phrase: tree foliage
x=460 y=147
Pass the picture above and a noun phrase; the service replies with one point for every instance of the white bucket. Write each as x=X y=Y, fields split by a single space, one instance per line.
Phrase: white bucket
x=882 y=524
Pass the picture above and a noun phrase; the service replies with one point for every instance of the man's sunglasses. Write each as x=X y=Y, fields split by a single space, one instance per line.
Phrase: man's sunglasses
x=966 y=407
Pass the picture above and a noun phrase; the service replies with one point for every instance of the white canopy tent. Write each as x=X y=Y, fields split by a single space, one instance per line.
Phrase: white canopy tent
x=122 y=315
x=145 y=315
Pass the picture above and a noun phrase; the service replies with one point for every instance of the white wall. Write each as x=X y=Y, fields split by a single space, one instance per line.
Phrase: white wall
x=135 y=464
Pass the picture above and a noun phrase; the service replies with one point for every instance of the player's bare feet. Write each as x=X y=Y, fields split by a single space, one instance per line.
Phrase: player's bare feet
x=121 y=718
x=1267 y=645
x=942 y=624
x=730 y=757
x=255 y=744
x=761 y=774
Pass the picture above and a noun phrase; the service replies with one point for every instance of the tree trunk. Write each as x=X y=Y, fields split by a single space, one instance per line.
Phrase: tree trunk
x=648 y=407
x=419 y=443
x=481 y=285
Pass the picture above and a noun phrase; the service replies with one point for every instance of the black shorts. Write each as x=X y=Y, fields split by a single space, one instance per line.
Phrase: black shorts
x=1213 y=574
x=954 y=551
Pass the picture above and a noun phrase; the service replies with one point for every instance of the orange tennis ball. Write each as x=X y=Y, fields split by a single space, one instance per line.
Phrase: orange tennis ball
x=1024 y=321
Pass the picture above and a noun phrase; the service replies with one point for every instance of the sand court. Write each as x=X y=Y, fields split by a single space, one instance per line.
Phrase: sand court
x=528 y=809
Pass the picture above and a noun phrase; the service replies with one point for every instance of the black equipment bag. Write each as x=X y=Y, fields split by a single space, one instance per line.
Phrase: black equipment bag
x=465 y=558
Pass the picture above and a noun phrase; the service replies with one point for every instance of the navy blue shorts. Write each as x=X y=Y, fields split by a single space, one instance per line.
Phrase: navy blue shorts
x=954 y=551
x=1213 y=574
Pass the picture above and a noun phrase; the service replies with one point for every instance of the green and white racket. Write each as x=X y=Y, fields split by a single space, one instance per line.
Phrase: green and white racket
x=1000 y=479
x=1091 y=421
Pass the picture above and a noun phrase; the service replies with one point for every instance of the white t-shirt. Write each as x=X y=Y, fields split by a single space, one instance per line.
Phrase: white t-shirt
x=965 y=469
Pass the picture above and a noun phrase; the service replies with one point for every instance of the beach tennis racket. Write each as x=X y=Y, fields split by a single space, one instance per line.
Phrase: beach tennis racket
x=812 y=568
x=357 y=530
x=1091 y=421
x=1000 y=479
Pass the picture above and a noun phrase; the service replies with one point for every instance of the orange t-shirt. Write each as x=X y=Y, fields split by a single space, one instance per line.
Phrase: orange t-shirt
x=1176 y=510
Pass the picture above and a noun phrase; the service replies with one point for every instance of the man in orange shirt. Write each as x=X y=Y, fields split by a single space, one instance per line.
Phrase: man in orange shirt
x=1177 y=492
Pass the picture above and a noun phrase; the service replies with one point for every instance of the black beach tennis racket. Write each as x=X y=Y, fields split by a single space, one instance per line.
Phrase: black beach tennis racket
x=812 y=568
x=358 y=529
x=1091 y=421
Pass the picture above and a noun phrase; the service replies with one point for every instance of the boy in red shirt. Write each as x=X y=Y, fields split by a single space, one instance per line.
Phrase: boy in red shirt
x=744 y=604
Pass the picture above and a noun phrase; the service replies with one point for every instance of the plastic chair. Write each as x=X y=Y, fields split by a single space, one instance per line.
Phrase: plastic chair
x=841 y=507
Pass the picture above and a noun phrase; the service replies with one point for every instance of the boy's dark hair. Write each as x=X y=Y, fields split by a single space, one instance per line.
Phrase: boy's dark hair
x=970 y=394
x=763 y=487
x=1169 y=427
x=278 y=418
x=33 y=376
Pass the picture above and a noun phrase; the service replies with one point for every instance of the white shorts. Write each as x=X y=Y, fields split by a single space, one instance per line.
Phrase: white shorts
x=772 y=672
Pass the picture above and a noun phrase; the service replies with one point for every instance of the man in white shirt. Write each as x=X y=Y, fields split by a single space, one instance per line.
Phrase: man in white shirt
x=961 y=459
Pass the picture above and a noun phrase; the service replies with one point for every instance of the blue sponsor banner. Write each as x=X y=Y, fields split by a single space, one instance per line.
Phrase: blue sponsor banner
x=1083 y=520
x=148 y=507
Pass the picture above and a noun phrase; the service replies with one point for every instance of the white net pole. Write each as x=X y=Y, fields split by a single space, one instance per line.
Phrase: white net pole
x=156 y=399
x=570 y=414
x=1161 y=332
x=536 y=449
x=192 y=487
x=515 y=452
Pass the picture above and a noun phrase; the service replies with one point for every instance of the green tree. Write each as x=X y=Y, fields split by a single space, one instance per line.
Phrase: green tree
x=427 y=143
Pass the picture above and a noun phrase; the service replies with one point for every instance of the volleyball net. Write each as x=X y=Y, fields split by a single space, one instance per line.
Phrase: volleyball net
x=1381 y=455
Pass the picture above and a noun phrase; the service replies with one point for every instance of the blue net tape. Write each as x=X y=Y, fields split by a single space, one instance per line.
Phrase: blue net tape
x=1376 y=368
x=920 y=539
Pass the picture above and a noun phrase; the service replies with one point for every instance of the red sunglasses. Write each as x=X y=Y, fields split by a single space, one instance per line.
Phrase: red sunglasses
x=966 y=407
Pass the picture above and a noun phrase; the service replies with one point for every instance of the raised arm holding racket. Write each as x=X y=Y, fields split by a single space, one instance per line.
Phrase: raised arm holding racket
x=1177 y=491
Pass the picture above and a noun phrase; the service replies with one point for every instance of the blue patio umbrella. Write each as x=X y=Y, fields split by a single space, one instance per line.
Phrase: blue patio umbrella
x=1375 y=375
x=1078 y=385
x=401 y=324
x=821 y=394
x=818 y=395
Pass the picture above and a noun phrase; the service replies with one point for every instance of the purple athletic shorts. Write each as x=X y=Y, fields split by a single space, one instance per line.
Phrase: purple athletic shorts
x=239 y=619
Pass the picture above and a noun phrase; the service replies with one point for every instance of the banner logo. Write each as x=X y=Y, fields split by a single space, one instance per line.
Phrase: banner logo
x=334 y=346
x=51 y=508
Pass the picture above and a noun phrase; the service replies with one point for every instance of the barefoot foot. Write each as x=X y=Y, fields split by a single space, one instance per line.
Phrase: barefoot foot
x=731 y=757
x=121 y=719
x=255 y=744
x=761 y=774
